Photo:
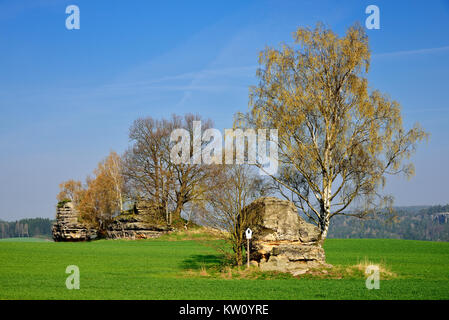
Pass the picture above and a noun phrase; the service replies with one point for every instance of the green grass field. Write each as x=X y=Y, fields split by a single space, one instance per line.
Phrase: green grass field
x=159 y=269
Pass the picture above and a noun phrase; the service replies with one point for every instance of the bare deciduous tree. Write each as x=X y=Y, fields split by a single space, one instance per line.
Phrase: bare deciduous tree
x=235 y=187
x=149 y=171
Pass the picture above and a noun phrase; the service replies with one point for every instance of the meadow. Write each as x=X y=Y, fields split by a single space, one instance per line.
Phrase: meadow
x=176 y=267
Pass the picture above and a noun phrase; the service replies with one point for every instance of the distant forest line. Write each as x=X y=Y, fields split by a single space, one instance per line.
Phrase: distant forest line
x=30 y=227
x=410 y=223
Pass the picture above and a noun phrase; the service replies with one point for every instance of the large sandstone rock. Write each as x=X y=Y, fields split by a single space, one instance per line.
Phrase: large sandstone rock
x=144 y=222
x=282 y=240
x=67 y=227
x=135 y=226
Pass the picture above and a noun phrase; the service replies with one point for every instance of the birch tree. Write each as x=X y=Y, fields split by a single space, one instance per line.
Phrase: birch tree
x=112 y=169
x=102 y=197
x=337 y=138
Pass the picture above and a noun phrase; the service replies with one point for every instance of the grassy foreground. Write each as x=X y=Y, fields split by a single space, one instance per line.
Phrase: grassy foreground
x=162 y=269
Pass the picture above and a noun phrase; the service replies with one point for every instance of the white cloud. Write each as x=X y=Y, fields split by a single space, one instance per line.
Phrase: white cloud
x=411 y=52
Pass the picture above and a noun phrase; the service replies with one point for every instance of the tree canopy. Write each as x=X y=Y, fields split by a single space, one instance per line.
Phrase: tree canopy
x=338 y=138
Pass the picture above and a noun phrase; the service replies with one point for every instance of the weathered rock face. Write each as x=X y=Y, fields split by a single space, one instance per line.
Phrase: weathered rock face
x=67 y=227
x=147 y=221
x=282 y=240
x=134 y=226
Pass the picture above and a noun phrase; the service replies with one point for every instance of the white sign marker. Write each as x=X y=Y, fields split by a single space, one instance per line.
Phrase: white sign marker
x=248 y=233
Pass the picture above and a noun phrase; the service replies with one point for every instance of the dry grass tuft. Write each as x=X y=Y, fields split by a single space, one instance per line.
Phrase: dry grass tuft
x=384 y=270
x=353 y=271
x=235 y=272
x=203 y=272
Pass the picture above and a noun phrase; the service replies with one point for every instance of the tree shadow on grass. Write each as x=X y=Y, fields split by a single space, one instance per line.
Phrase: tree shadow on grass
x=198 y=261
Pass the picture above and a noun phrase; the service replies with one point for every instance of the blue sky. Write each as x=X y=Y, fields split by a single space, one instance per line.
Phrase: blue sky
x=68 y=97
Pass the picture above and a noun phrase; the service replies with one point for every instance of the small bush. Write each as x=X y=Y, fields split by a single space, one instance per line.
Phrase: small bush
x=63 y=202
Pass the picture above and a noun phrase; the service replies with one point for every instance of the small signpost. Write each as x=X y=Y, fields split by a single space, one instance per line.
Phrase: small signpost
x=248 y=234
